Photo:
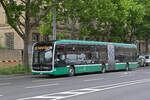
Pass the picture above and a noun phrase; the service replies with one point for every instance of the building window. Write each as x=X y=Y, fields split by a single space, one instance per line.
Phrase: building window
x=35 y=37
x=9 y=38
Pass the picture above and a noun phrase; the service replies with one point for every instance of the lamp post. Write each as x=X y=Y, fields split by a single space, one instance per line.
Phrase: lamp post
x=54 y=22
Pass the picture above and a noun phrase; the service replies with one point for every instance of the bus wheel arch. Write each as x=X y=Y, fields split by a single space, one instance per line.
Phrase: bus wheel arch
x=71 y=70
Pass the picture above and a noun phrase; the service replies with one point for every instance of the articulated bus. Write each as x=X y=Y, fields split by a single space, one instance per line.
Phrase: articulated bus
x=74 y=56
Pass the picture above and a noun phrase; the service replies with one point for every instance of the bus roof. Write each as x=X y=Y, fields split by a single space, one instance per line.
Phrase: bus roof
x=91 y=42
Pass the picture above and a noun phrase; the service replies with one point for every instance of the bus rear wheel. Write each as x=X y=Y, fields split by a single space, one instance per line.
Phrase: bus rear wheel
x=71 y=71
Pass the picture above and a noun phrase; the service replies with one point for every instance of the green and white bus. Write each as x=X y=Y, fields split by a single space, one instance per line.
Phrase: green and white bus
x=74 y=56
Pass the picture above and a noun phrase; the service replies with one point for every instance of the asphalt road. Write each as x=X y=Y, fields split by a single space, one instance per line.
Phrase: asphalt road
x=120 y=85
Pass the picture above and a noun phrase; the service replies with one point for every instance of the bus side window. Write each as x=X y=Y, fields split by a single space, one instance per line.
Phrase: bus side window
x=125 y=54
x=88 y=55
x=59 y=54
x=81 y=56
x=118 y=54
x=71 y=55
x=103 y=57
x=94 y=54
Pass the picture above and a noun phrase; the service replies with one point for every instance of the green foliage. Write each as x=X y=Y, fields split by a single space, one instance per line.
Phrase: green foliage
x=111 y=19
x=24 y=15
x=45 y=29
x=114 y=18
x=2 y=47
x=106 y=20
x=143 y=29
x=101 y=18
x=19 y=69
x=61 y=36
x=46 y=26
x=14 y=11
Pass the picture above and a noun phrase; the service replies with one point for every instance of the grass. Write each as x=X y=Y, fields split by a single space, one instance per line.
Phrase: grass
x=19 y=69
x=2 y=47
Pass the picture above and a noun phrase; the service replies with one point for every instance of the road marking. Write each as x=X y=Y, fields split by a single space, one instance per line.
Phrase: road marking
x=94 y=79
x=123 y=76
x=42 y=86
x=1 y=95
x=87 y=75
x=2 y=84
x=17 y=77
x=126 y=73
x=43 y=80
x=77 y=92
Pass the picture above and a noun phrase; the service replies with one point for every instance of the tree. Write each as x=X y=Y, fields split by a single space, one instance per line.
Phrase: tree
x=46 y=26
x=23 y=16
x=106 y=20
x=129 y=14
x=143 y=29
x=110 y=20
x=68 y=13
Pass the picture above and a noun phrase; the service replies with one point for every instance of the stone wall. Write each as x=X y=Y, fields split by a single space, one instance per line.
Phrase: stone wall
x=10 y=57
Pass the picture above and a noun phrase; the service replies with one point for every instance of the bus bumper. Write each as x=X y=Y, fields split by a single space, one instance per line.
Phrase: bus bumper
x=57 y=71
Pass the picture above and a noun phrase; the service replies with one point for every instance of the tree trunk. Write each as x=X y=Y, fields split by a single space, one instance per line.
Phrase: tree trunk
x=146 y=49
x=73 y=25
x=140 y=48
x=72 y=30
x=26 y=36
x=25 y=53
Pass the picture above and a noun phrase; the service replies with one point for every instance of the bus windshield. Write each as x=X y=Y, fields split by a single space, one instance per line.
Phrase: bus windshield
x=42 y=55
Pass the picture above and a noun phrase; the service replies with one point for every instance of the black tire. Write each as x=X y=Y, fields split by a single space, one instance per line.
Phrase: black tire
x=71 y=71
x=127 y=67
x=103 y=70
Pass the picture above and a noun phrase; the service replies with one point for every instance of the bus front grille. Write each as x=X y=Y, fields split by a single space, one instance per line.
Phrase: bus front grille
x=39 y=67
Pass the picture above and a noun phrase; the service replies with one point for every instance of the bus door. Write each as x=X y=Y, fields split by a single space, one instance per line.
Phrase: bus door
x=59 y=56
x=111 y=56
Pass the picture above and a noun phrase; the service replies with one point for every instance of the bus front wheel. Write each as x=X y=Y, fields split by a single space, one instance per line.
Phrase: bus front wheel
x=71 y=71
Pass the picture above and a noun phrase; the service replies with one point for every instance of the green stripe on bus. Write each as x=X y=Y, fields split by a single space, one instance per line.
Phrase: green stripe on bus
x=87 y=68
x=91 y=42
x=120 y=66
x=133 y=65
x=79 y=42
x=57 y=71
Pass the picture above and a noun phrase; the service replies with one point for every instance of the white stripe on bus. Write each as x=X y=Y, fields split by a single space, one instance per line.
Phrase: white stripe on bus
x=129 y=63
x=133 y=62
x=88 y=65
x=120 y=63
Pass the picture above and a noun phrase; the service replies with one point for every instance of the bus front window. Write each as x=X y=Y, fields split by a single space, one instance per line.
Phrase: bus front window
x=42 y=57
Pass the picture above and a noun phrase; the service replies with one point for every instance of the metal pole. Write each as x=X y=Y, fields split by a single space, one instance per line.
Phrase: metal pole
x=54 y=22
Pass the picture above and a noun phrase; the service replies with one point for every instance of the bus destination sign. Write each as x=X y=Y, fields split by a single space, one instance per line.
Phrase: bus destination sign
x=43 y=48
